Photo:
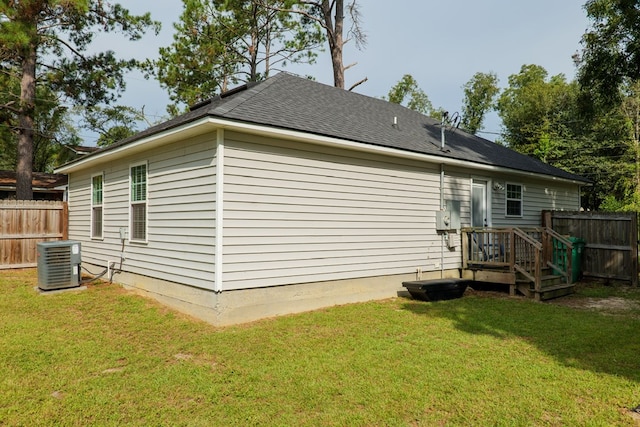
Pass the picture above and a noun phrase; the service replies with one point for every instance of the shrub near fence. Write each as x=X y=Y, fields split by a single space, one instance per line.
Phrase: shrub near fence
x=23 y=224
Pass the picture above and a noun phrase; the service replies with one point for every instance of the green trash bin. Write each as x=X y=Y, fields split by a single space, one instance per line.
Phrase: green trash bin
x=576 y=257
x=560 y=256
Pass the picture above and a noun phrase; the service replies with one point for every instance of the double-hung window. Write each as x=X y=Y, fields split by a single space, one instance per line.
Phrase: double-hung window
x=97 y=191
x=138 y=200
x=514 y=200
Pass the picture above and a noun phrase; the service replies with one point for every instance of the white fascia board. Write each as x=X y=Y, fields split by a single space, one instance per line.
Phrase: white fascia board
x=211 y=123
x=171 y=135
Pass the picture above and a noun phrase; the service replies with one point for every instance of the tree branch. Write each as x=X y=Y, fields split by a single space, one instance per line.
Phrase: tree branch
x=358 y=83
x=10 y=106
x=306 y=14
x=68 y=46
x=350 y=65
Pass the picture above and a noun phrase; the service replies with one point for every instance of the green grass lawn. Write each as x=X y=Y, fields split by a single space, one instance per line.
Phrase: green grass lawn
x=106 y=357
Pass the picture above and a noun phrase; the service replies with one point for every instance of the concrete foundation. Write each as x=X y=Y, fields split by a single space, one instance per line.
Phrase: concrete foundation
x=241 y=306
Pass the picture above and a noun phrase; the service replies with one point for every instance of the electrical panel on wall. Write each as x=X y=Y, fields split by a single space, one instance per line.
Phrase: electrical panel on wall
x=453 y=206
x=448 y=219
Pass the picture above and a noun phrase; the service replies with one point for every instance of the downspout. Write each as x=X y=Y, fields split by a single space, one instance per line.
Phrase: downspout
x=219 y=232
x=442 y=206
x=442 y=164
x=442 y=234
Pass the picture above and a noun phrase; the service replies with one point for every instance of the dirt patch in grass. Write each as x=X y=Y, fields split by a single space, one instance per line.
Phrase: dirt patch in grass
x=603 y=304
x=620 y=302
x=635 y=415
x=613 y=298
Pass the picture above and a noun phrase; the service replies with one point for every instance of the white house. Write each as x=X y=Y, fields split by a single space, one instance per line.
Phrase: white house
x=288 y=195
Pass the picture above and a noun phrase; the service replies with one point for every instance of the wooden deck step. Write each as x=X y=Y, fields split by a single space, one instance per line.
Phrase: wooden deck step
x=551 y=280
x=555 y=291
x=552 y=287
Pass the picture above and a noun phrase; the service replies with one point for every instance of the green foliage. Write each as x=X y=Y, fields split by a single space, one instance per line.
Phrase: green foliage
x=113 y=123
x=47 y=44
x=538 y=113
x=611 y=50
x=221 y=43
x=479 y=95
x=609 y=75
x=61 y=32
x=53 y=131
x=542 y=117
x=407 y=92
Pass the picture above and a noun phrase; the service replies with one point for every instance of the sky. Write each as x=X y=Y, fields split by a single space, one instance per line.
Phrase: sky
x=441 y=44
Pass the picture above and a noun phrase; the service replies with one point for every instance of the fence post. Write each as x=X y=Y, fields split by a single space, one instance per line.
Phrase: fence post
x=634 y=249
x=64 y=221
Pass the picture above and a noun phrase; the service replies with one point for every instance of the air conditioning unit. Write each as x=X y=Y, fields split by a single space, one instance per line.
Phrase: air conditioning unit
x=58 y=265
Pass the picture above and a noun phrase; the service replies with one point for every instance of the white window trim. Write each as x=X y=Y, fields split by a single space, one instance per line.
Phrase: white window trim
x=101 y=237
x=506 y=200
x=146 y=202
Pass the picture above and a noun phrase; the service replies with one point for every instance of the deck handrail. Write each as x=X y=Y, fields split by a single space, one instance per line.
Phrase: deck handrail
x=522 y=250
x=554 y=236
x=519 y=257
x=527 y=238
x=486 y=246
x=527 y=253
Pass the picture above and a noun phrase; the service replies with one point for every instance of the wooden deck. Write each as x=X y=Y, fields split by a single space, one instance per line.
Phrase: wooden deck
x=535 y=262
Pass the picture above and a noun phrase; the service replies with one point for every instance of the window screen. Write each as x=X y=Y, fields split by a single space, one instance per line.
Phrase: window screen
x=514 y=200
x=96 y=206
x=139 y=202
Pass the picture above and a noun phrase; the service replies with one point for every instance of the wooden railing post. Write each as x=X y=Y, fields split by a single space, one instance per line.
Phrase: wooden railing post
x=512 y=251
x=465 y=249
x=538 y=271
x=633 y=243
x=569 y=256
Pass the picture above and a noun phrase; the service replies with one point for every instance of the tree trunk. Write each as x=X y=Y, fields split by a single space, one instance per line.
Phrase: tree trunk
x=336 y=41
x=255 y=41
x=636 y=144
x=24 y=167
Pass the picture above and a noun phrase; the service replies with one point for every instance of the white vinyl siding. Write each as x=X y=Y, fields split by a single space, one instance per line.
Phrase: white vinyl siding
x=538 y=195
x=297 y=213
x=180 y=214
x=293 y=213
x=80 y=207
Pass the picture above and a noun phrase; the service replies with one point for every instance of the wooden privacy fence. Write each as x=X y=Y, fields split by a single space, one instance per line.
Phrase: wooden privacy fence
x=25 y=223
x=611 y=241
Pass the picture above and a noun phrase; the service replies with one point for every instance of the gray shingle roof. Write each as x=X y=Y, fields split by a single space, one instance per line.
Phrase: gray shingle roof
x=294 y=103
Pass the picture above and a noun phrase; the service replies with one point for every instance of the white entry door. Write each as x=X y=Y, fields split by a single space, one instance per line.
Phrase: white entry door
x=479 y=209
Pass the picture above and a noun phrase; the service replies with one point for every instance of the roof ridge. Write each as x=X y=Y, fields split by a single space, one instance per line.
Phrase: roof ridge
x=235 y=99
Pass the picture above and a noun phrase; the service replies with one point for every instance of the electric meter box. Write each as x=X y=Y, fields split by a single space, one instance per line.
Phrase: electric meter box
x=449 y=219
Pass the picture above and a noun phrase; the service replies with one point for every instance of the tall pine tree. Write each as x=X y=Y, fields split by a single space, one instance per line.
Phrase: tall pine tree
x=219 y=43
x=47 y=42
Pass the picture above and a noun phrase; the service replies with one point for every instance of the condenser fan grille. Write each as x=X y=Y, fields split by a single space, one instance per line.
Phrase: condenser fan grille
x=58 y=265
